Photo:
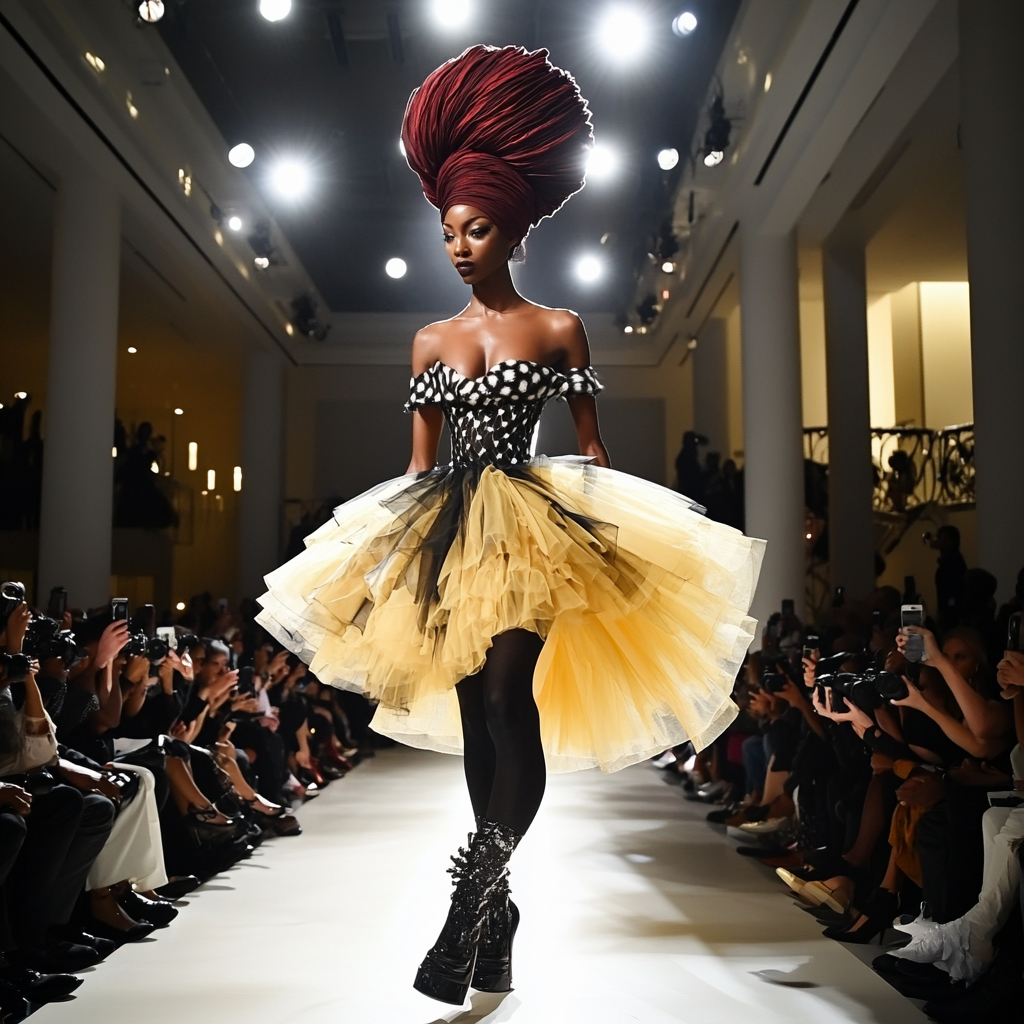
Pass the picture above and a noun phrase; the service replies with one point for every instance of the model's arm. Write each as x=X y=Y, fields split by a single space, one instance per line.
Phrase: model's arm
x=427 y=420
x=583 y=407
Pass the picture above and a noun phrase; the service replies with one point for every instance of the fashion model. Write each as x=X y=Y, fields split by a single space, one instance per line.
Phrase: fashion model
x=531 y=613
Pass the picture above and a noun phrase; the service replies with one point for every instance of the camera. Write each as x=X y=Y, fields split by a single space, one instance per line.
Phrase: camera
x=776 y=671
x=869 y=689
x=12 y=594
x=45 y=639
x=15 y=667
x=186 y=642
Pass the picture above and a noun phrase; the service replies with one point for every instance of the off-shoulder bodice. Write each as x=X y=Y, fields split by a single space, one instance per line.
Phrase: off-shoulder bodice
x=492 y=418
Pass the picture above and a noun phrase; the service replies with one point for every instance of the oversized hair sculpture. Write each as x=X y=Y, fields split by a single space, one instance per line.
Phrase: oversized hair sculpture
x=502 y=130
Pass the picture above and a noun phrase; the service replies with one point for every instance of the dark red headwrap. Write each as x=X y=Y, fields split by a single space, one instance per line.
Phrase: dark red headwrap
x=502 y=130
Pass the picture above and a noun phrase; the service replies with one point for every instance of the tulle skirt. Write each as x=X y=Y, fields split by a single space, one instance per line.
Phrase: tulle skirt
x=641 y=600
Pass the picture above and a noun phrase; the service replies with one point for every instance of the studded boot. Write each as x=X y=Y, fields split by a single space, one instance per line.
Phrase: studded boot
x=493 y=972
x=448 y=968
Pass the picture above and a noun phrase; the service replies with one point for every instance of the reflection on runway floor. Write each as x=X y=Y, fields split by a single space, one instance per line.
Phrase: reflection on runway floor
x=634 y=910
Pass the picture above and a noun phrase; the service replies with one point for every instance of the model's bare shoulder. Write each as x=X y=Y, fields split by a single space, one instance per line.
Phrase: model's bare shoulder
x=427 y=344
x=567 y=337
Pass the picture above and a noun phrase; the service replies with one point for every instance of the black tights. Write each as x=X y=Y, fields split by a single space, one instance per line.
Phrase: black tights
x=504 y=759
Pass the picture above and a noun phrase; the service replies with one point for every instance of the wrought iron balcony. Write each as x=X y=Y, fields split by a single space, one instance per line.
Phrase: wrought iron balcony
x=912 y=467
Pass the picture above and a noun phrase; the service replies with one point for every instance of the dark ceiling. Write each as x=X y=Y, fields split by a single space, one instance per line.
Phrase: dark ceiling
x=289 y=87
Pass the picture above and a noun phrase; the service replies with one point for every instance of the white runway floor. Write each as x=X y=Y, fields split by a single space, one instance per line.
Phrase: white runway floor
x=634 y=910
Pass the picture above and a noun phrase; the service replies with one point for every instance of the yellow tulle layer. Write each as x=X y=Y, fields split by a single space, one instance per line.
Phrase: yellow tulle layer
x=642 y=601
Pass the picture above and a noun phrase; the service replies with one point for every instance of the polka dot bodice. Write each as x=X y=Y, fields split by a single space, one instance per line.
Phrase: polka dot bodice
x=492 y=418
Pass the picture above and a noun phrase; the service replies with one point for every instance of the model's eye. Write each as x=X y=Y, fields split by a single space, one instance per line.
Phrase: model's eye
x=480 y=232
x=448 y=238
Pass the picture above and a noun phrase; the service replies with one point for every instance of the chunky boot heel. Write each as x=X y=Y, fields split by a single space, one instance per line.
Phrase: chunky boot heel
x=448 y=967
x=493 y=971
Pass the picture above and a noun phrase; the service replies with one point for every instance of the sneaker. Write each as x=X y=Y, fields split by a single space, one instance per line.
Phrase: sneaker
x=665 y=760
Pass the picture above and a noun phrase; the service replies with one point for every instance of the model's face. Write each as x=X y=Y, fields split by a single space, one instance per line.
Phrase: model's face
x=474 y=244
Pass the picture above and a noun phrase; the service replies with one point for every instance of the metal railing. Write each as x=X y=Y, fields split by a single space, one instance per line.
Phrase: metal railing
x=912 y=466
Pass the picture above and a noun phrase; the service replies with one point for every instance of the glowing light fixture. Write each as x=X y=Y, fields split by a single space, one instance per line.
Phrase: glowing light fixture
x=193 y=456
x=154 y=468
x=289 y=330
x=235 y=223
x=132 y=350
x=668 y=158
x=179 y=412
x=684 y=24
x=113 y=453
x=133 y=111
x=627 y=329
x=275 y=10
x=185 y=181
x=589 y=269
x=211 y=479
x=180 y=606
x=602 y=163
x=451 y=13
x=622 y=33
x=668 y=267
x=665 y=294
x=96 y=62
x=241 y=155
x=236 y=478
x=395 y=267
x=290 y=178
x=767 y=81
x=262 y=262
x=22 y=395
x=151 y=10
x=714 y=158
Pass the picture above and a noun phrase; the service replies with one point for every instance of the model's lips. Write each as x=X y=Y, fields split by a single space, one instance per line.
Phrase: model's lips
x=465 y=267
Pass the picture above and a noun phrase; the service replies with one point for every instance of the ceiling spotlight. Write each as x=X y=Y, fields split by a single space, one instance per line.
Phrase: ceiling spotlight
x=623 y=33
x=668 y=158
x=668 y=267
x=588 y=269
x=241 y=155
x=684 y=24
x=451 y=13
x=628 y=329
x=235 y=222
x=180 y=606
x=602 y=163
x=132 y=350
x=395 y=267
x=262 y=262
x=151 y=10
x=290 y=178
x=714 y=158
x=275 y=10
x=179 y=412
x=21 y=395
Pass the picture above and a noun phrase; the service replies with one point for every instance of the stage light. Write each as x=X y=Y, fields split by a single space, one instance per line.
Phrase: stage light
x=602 y=163
x=235 y=222
x=668 y=267
x=151 y=10
x=289 y=329
x=241 y=155
x=179 y=412
x=623 y=33
x=627 y=329
x=261 y=261
x=395 y=268
x=684 y=24
x=211 y=479
x=767 y=81
x=589 y=269
x=236 y=479
x=154 y=467
x=180 y=606
x=21 y=395
x=714 y=158
x=132 y=350
x=290 y=178
x=193 y=456
x=668 y=158
x=451 y=13
x=275 y=10
x=96 y=62
x=113 y=453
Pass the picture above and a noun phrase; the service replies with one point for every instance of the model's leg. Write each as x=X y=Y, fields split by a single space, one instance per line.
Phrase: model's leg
x=514 y=726
x=478 y=750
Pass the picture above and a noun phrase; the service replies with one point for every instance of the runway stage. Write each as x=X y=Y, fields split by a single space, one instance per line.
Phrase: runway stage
x=634 y=910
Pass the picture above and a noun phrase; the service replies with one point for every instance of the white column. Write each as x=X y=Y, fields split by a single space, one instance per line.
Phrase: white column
x=78 y=471
x=772 y=427
x=260 y=509
x=710 y=387
x=992 y=136
x=850 y=517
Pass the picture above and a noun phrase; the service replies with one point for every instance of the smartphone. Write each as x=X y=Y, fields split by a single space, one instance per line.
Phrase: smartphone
x=167 y=634
x=145 y=619
x=58 y=604
x=788 y=608
x=1013 y=632
x=119 y=608
x=811 y=646
x=245 y=684
x=913 y=615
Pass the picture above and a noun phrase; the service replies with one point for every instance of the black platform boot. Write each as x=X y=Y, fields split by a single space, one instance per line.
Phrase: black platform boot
x=493 y=972
x=448 y=968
